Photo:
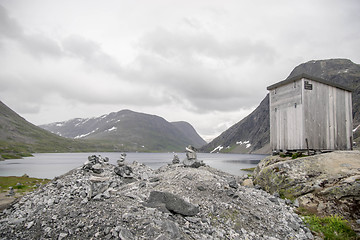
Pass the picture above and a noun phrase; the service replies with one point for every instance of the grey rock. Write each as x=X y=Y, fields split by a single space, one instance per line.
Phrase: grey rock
x=154 y=179
x=125 y=234
x=11 y=192
x=89 y=206
x=233 y=184
x=125 y=171
x=194 y=163
x=326 y=183
x=172 y=203
x=176 y=159
x=62 y=236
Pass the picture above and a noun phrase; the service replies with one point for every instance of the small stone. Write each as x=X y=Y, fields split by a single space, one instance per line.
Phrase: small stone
x=296 y=203
x=62 y=236
x=29 y=224
x=125 y=234
x=248 y=183
x=233 y=184
x=154 y=179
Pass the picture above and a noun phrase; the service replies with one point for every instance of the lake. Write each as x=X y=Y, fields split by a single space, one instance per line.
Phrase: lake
x=50 y=165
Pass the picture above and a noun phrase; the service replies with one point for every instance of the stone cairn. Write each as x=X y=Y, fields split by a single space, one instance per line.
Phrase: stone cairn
x=94 y=164
x=191 y=158
x=11 y=192
x=123 y=170
x=176 y=159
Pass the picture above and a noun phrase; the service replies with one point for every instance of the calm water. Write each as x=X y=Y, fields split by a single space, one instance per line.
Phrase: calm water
x=50 y=165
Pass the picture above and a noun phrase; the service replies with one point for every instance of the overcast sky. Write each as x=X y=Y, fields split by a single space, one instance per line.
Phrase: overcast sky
x=207 y=62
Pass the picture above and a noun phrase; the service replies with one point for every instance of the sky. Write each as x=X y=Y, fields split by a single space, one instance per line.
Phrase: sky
x=207 y=62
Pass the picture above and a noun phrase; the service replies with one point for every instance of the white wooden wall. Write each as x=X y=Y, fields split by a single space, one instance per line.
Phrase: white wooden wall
x=323 y=115
x=328 y=117
x=286 y=117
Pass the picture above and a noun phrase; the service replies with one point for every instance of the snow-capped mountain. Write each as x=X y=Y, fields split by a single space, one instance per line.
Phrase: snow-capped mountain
x=137 y=131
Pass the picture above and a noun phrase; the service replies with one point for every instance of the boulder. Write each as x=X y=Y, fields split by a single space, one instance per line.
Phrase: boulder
x=325 y=184
x=171 y=202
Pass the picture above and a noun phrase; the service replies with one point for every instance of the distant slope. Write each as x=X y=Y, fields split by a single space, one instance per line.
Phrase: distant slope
x=250 y=134
x=188 y=130
x=19 y=138
x=255 y=127
x=132 y=129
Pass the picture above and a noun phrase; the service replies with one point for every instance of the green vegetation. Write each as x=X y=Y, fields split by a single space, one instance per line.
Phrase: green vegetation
x=330 y=227
x=248 y=169
x=15 y=155
x=21 y=184
x=297 y=155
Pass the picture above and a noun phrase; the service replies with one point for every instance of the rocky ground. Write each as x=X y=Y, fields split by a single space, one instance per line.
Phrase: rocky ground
x=103 y=201
x=324 y=184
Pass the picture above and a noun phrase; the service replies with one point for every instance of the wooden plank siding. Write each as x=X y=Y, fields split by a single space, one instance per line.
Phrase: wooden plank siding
x=286 y=116
x=306 y=108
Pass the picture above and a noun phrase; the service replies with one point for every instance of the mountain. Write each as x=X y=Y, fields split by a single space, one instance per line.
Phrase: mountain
x=133 y=130
x=188 y=130
x=19 y=138
x=252 y=135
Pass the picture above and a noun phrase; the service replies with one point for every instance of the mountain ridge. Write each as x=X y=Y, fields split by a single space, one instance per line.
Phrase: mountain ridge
x=19 y=138
x=147 y=132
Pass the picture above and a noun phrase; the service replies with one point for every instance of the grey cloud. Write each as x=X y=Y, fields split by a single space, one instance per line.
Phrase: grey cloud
x=91 y=53
x=81 y=47
x=39 y=46
x=9 y=26
x=177 y=44
x=198 y=87
x=36 y=44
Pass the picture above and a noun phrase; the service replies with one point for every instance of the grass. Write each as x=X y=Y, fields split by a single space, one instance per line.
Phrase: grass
x=248 y=169
x=330 y=227
x=21 y=184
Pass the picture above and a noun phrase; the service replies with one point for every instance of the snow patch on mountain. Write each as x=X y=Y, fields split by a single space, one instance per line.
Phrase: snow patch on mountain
x=111 y=129
x=86 y=134
x=218 y=149
x=246 y=143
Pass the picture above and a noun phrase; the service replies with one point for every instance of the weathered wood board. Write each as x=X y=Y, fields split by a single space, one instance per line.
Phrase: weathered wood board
x=309 y=109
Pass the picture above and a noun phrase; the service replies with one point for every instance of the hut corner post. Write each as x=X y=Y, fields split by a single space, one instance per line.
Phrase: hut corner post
x=307 y=146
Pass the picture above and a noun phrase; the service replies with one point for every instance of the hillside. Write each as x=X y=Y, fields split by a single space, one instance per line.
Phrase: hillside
x=254 y=129
x=134 y=130
x=19 y=138
x=250 y=134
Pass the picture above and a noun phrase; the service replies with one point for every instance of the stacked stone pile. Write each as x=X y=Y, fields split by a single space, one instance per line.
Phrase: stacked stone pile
x=173 y=202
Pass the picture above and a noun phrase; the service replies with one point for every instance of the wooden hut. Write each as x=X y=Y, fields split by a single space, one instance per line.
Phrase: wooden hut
x=310 y=113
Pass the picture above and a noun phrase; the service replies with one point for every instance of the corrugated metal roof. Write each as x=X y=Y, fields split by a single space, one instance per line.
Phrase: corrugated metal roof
x=316 y=79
